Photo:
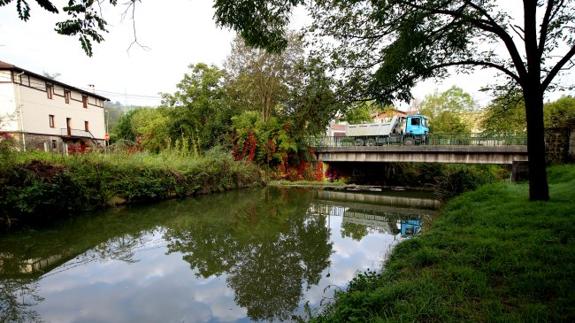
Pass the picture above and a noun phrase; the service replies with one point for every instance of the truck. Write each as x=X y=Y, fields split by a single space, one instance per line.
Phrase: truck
x=409 y=130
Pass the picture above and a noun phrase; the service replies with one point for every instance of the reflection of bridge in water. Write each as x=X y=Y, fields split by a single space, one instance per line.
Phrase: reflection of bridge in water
x=392 y=217
x=12 y=266
x=380 y=200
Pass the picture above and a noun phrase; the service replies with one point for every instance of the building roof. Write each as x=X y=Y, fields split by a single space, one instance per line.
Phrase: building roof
x=6 y=66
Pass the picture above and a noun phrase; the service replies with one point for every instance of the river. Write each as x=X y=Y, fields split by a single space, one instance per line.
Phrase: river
x=269 y=254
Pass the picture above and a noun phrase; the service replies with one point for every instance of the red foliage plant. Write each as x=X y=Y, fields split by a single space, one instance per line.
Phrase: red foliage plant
x=248 y=149
x=318 y=171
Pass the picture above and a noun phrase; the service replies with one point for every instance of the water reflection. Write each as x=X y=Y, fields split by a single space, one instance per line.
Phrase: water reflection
x=17 y=298
x=255 y=255
x=270 y=249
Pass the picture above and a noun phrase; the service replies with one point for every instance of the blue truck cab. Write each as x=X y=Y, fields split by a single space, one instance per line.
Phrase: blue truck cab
x=416 y=125
x=410 y=227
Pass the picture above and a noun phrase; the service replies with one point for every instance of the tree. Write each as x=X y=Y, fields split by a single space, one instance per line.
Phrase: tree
x=258 y=80
x=151 y=128
x=200 y=109
x=123 y=129
x=362 y=112
x=446 y=111
x=311 y=102
x=560 y=113
x=505 y=115
x=384 y=47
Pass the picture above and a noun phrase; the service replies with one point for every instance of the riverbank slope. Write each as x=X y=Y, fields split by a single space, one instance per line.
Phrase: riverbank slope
x=39 y=187
x=490 y=256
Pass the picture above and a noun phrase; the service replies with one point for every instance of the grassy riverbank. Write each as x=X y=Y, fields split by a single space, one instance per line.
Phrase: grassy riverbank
x=490 y=256
x=36 y=187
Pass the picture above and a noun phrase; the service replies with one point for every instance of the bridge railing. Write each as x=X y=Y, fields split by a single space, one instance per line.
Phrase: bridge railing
x=435 y=140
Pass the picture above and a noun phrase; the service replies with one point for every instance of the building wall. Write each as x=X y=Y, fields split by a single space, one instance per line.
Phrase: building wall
x=8 y=117
x=31 y=93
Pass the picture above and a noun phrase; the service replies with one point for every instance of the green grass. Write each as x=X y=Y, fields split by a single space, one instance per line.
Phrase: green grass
x=491 y=256
x=36 y=187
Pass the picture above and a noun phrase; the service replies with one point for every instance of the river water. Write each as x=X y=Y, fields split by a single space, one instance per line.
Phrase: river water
x=255 y=255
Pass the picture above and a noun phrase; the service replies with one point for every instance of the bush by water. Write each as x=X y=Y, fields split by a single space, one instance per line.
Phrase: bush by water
x=36 y=187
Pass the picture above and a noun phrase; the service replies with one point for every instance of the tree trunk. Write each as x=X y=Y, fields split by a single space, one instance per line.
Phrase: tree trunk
x=538 y=186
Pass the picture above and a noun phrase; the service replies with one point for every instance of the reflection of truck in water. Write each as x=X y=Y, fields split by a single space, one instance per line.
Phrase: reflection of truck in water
x=409 y=130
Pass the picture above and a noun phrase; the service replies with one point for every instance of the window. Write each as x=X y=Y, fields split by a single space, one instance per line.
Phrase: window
x=415 y=121
x=67 y=95
x=50 y=91
x=54 y=144
x=51 y=120
x=86 y=126
x=85 y=101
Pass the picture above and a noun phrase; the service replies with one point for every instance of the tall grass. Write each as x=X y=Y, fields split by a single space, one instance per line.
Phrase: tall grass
x=40 y=186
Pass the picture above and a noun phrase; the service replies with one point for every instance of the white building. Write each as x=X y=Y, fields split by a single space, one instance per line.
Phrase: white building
x=45 y=114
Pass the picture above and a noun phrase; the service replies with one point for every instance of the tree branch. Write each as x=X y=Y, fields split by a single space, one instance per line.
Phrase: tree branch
x=480 y=63
x=131 y=4
x=545 y=26
x=518 y=31
x=489 y=25
x=557 y=68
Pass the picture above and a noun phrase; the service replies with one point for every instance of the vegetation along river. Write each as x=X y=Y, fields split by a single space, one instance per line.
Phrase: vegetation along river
x=268 y=254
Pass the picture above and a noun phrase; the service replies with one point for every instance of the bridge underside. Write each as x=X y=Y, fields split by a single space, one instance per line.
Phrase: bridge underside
x=502 y=155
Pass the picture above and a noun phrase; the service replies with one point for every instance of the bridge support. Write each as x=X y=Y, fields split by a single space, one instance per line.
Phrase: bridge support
x=519 y=171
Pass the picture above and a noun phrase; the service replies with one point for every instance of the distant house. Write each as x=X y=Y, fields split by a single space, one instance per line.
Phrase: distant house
x=386 y=115
x=336 y=129
x=45 y=114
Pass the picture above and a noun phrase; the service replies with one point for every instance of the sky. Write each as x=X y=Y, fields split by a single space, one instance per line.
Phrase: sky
x=175 y=36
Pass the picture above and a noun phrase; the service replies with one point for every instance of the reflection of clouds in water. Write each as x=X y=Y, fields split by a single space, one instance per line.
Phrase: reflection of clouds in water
x=350 y=257
x=113 y=291
x=160 y=287
x=154 y=276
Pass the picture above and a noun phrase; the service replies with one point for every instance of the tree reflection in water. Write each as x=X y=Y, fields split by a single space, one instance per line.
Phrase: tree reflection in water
x=353 y=230
x=17 y=297
x=270 y=247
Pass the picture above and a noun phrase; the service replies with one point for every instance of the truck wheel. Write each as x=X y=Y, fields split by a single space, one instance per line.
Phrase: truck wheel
x=408 y=141
x=370 y=142
x=359 y=142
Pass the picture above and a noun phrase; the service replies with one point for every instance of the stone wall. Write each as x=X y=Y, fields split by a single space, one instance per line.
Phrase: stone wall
x=44 y=143
x=52 y=143
x=559 y=145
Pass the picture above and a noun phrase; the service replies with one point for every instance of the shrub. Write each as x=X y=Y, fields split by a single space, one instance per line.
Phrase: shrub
x=38 y=187
x=456 y=179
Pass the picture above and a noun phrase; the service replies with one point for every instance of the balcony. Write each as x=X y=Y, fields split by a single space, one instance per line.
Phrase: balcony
x=76 y=133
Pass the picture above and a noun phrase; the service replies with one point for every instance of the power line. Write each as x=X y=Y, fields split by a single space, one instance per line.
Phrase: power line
x=130 y=95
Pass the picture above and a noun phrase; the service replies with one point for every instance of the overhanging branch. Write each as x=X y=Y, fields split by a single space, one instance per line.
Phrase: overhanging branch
x=480 y=63
x=557 y=68
x=490 y=25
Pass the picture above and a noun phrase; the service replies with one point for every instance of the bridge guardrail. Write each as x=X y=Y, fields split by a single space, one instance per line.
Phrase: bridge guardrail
x=435 y=140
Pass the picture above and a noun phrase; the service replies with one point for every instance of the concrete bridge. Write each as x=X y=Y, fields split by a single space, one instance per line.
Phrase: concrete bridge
x=445 y=149
x=453 y=154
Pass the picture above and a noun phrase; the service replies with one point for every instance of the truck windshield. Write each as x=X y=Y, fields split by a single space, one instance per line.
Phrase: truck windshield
x=415 y=121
